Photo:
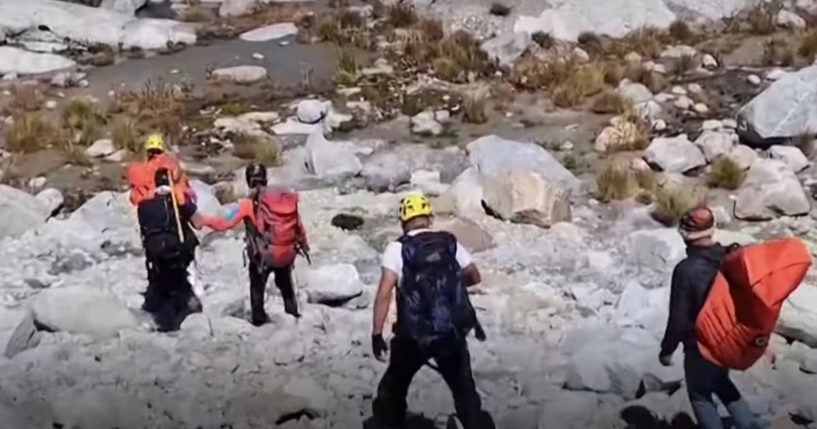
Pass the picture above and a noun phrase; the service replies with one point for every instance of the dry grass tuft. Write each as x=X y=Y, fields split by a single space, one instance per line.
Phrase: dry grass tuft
x=258 y=149
x=125 y=135
x=83 y=120
x=808 y=46
x=29 y=133
x=235 y=108
x=615 y=181
x=762 y=21
x=347 y=70
x=338 y=4
x=103 y=56
x=499 y=9
x=451 y=58
x=28 y=96
x=671 y=202
x=156 y=106
x=401 y=14
x=586 y=81
x=778 y=52
x=198 y=13
x=647 y=42
x=680 y=31
x=473 y=109
x=431 y=29
x=726 y=174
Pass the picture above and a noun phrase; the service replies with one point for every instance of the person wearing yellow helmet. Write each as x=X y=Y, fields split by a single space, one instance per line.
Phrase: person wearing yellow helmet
x=430 y=271
x=154 y=146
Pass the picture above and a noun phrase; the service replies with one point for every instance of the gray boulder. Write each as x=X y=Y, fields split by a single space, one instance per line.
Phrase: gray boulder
x=20 y=212
x=79 y=311
x=327 y=159
x=22 y=338
x=713 y=10
x=635 y=92
x=236 y=7
x=792 y=156
x=771 y=189
x=784 y=110
x=744 y=156
x=332 y=284
x=525 y=197
x=469 y=233
x=465 y=194
x=392 y=166
x=798 y=319
x=312 y=111
x=241 y=74
x=492 y=155
x=715 y=143
x=52 y=198
x=507 y=47
x=658 y=249
x=674 y=154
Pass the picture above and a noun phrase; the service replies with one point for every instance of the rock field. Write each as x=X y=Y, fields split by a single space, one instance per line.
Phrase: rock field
x=560 y=158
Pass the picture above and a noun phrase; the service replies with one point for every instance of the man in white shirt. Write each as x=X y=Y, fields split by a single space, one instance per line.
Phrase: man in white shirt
x=434 y=316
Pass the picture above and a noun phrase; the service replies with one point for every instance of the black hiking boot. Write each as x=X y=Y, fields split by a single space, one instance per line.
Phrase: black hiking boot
x=291 y=307
x=260 y=319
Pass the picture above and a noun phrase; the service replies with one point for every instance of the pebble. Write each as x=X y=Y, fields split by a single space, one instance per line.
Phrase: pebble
x=730 y=123
x=677 y=90
x=37 y=183
x=61 y=95
x=695 y=88
x=683 y=102
x=664 y=97
x=10 y=76
x=754 y=79
x=580 y=55
x=775 y=74
x=50 y=104
x=258 y=56
x=174 y=71
x=711 y=125
x=112 y=94
x=708 y=61
x=6 y=93
x=659 y=125
x=701 y=108
x=84 y=83
x=566 y=146
x=633 y=57
x=284 y=42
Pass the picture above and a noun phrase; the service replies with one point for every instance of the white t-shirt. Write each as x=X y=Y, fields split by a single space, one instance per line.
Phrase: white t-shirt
x=393 y=256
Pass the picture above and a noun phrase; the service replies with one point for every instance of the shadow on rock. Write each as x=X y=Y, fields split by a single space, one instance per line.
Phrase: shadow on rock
x=639 y=417
x=413 y=421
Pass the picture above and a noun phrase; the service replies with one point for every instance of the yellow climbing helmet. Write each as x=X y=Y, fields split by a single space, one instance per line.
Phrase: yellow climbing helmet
x=155 y=142
x=414 y=205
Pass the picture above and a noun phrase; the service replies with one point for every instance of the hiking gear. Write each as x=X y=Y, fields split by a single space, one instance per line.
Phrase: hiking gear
x=142 y=179
x=432 y=302
x=705 y=379
x=696 y=224
x=255 y=176
x=454 y=363
x=378 y=346
x=155 y=142
x=303 y=250
x=691 y=280
x=271 y=240
x=175 y=205
x=415 y=205
x=745 y=299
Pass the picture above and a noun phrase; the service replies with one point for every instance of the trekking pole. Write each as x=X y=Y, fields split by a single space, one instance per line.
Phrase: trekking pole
x=176 y=207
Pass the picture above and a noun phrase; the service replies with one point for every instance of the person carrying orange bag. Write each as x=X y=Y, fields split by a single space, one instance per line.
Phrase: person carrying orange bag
x=140 y=175
x=691 y=283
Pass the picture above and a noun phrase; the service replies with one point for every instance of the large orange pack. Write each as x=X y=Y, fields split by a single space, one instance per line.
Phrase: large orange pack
x=141 y=179
x=742 y=308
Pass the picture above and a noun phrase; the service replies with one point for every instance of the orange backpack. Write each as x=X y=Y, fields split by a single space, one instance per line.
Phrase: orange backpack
x=743 y=305
x=141 y=179
x=277 y=227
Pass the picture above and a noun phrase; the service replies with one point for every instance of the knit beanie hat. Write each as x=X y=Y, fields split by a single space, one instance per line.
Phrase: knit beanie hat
x=696 y=224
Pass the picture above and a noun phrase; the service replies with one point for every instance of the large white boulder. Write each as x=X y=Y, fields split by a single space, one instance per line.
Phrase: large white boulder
x=526 y=197
x=771 y=189
x=469 y=233
x=270 y=32
x=81 y=311
x=792 y=156
x=798 y=319
x=713 y=10
x=786 y=109
x=17 y=61
x=465 y=193
x=128 y=7
x=635 y=92
x=93 y=25
x=332 y=284
x=507 y=47
x=674 y=154
x=743 y=156
x=52 y=198
x=492 y=155
x=327 y=159
x=101 y=148
x=20 y=212
x=568 y=19
x=392 y=165
x=241 y=74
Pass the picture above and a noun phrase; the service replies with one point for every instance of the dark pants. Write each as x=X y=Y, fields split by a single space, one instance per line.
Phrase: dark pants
x=704 y=380
x=169 y=296
x=405 y=359
x=258 y=286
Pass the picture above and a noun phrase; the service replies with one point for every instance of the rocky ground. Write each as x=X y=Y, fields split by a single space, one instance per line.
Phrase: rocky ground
x=560 y=142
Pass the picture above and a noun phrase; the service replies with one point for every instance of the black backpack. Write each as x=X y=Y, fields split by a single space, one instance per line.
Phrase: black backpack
x=432 y=302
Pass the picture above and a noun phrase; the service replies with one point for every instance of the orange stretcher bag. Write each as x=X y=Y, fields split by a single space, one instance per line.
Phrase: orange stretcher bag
x=744 y=303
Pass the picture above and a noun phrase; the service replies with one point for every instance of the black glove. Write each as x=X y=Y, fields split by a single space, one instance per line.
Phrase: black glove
x=378 y=346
